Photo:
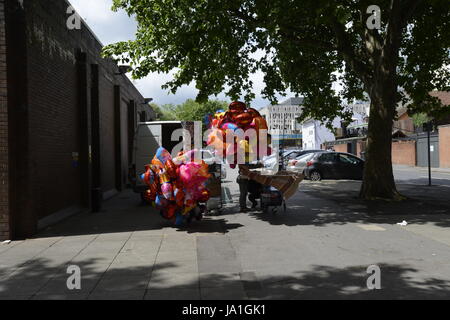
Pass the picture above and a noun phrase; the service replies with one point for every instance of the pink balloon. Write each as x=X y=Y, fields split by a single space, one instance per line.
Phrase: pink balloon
x=167 y=190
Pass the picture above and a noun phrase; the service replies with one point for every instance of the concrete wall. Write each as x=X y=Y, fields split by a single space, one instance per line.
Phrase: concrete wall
x=444 y=146
x=404 y=152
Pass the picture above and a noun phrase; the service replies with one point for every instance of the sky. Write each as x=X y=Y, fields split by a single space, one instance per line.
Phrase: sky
x=111 y=27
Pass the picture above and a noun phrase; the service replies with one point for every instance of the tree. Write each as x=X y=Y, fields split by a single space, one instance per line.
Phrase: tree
x=192 y=110
x=419 y=119
x=304 y=46
x=163 y=113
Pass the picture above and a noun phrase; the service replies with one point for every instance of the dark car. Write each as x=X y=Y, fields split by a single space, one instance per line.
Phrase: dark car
x=334 y=165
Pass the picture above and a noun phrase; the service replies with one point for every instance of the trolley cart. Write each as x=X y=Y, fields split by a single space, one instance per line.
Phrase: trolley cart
x=277 y=187
x=214 y=185
x=271 y=197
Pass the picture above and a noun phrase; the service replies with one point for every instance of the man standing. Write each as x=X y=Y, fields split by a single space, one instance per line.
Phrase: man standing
x=242 y=180
x=254 y=192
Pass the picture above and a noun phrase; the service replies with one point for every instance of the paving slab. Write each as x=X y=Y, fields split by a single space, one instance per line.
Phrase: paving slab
x=167 y=280
x=120 y=282
x=219 y=280
x=170 y=294
x=223 y=293
x=216 y=255
x=167 y=256
x=177 y=266
x=7 y=246
x=118 y=295
x=18 y=286
x=128 y=259
x=60 y=296
x=58 y=285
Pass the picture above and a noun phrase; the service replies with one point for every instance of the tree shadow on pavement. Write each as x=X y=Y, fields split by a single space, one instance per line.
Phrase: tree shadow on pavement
x=125 y=213
x=40 y=279
x=337 y=202
x=209 y=225
x=325 y=282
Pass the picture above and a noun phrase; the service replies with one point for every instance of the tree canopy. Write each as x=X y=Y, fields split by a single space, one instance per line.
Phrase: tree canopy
x=162 y=112
x=190 y=110
x=303 y=46
x=386 y=50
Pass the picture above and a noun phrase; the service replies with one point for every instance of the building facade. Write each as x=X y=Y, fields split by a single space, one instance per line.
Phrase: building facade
x=409 y=142
x=317 y=136
x=67 y=118
x=282 y=121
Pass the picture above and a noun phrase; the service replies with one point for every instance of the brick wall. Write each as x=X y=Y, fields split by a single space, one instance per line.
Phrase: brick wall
x=405 y=124
x=107 y=141
x=4 y=154
x=404 y=152
x=361 y=147
x=340 y=147
x=444 y=146
x=55 y=115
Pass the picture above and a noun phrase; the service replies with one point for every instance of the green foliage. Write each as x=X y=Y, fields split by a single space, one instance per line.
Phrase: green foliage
x=419 y=119
x=163 y=113
x=190 y=110
x=303 y=46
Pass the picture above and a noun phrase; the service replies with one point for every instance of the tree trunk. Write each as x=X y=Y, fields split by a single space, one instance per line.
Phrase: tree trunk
x=378 y=181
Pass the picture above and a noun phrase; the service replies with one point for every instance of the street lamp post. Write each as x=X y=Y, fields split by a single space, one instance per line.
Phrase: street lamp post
x=429 y=152
x=282 y=141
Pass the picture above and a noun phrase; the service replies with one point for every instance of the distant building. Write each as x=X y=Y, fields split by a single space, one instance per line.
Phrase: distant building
x=317 y=136
x=409 y=143
x=282 y=121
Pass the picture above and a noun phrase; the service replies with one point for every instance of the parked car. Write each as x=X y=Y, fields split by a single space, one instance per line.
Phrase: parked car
x=299 y=164
x=333 y=165
x=294 y=154
x=286 y=156
x=211 y=160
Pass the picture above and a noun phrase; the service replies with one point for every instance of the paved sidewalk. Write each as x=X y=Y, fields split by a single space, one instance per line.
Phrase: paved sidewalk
x=405 y=167
x=125 y=252
x=320 y=248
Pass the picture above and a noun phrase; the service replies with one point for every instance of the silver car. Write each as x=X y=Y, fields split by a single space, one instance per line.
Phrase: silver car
x=299 y=164
x=209 y=158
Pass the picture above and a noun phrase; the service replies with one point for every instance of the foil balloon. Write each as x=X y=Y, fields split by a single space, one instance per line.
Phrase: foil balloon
x=238 y=116
x=176 y=186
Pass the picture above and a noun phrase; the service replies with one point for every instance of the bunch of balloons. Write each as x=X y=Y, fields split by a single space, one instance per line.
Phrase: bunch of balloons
x=224 y=123
x=176 y=186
